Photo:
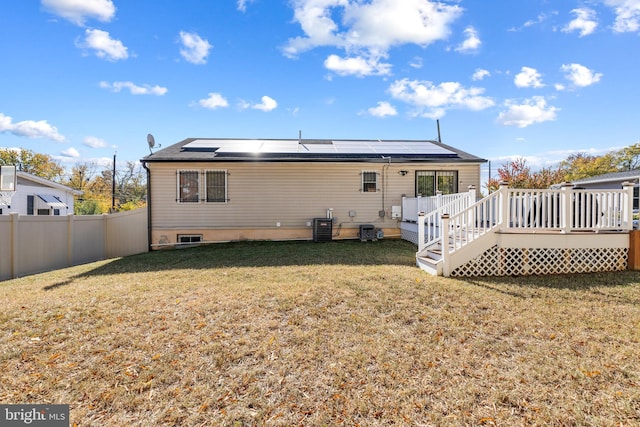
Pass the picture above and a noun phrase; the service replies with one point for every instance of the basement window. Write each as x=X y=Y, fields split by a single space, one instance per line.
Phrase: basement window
x=189 y=239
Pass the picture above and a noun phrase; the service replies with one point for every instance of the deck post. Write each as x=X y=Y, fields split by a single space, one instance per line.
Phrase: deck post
x=503 y=205
x=627 y=206
x=565 y=207
x=472 y=194
x=418 y=205
x=420 y=231
x=444 y=243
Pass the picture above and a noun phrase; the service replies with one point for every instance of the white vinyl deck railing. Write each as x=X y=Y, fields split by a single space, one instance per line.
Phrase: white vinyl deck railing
x=412 y=207
x=430 y=221
x=564 y=210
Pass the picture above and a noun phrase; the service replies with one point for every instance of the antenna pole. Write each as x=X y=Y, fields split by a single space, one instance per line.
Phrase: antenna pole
x=439 y=138
x=113 y=185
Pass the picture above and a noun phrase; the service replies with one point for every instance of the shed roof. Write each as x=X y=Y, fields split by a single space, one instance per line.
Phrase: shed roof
x=317 y=150
x=611 y=177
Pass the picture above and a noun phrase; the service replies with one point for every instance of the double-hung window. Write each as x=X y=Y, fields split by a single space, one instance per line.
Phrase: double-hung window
x=188 y=186
x=216 y=186
x=369 y=181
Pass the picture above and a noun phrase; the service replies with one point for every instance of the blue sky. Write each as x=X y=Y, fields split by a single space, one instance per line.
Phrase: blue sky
x=537 y=79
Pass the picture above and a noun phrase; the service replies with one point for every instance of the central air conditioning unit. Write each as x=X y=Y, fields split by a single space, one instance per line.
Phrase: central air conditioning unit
x=322 y=229
x=368 y=232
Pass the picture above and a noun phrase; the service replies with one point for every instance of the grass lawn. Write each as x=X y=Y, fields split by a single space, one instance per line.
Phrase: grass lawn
x=341 y=333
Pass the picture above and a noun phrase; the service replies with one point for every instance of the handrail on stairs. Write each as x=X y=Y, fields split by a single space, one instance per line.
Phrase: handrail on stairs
x=430 y=223
x=563 y=210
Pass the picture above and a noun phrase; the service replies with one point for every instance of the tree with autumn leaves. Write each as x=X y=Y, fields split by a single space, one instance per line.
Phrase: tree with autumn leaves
x=96 y=185
x=94 y=182
x=42 y=165
x=577 y=166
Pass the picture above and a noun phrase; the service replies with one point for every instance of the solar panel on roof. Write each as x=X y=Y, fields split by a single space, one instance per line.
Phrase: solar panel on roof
x=318 y=147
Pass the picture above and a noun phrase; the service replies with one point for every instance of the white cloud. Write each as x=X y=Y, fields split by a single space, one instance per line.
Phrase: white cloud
x=541 y=18
x=79 y=11
x=30 y=129
x=215 y=100
x=627 y=15
x=194 y=49
x=416 y=62
x=471 y=43
x=369 y=29
x=135 y=89
x=242 y=5
x=528 y=77
x=432 y=101
x=94 y=142
x=243 y=105
x=585 y=22
x=267 y=104
x=356 y=66
x=534 y=110
x=480 y=74
x=383 y=109
x=580 y=75
x=70 y=152
x=104 y=45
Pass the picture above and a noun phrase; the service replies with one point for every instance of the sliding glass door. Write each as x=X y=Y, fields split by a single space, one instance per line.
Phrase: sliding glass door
x=428 y=183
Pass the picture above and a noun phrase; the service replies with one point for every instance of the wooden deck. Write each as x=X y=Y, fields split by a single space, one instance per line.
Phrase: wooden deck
x=519 y=232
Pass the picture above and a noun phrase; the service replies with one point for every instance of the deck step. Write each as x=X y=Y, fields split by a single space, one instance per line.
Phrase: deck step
x=429 y=265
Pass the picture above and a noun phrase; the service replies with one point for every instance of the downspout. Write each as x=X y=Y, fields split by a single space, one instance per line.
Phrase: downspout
x=385 y=171
x=144 y=165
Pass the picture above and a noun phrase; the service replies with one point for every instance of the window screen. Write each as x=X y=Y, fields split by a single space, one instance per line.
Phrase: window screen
x=216 y=184
x=369 y=181
x=188 y=186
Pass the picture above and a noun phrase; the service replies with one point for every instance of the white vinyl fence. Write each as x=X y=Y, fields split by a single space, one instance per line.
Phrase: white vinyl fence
x=34 y=244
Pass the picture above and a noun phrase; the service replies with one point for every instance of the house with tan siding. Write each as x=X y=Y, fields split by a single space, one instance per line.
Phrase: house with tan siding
x=217 y=190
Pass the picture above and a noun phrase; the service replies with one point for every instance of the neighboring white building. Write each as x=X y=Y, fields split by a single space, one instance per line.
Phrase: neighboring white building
x=614 y=180
x=39 y=196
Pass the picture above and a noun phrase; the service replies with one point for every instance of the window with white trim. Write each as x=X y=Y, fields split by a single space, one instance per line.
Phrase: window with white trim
x=429 y=183
x=369 y=181
x=188 y=186
x=215 y=186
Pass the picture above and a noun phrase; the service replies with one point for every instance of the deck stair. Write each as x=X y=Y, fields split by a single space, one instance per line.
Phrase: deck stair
x=522 y=222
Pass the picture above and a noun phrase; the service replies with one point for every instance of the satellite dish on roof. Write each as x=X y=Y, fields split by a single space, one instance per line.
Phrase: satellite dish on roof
x=152 y=142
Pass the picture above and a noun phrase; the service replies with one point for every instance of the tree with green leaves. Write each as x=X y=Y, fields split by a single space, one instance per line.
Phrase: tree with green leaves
x=582 y=165
x=628 y=158
x=42 y=165
x=97 y=188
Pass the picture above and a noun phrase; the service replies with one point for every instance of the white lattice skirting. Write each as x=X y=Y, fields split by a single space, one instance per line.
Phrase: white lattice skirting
x=521 y=261
x=410 y=236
